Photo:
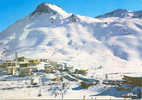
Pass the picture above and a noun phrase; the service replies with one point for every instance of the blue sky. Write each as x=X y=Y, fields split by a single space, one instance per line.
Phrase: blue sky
x=13 y=10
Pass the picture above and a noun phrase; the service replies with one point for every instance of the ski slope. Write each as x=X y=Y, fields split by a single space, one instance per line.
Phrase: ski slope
x=113 y=42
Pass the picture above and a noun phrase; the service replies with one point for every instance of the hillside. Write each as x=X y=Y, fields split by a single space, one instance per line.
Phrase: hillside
x=113 y=42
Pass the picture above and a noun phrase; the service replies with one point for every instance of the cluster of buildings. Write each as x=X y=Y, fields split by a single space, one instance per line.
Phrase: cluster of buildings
x=22 y=66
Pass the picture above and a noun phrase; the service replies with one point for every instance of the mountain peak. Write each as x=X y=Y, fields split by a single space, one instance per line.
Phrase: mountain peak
x=120 y=10
x=48 y=8
x=121 y=13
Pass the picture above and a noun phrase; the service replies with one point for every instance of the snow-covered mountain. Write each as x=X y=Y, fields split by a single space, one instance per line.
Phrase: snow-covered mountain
x=122 y=13
x=112 y=40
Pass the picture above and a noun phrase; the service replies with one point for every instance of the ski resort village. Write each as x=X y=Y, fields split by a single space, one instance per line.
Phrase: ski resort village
x=37 y=78
x=52 y=54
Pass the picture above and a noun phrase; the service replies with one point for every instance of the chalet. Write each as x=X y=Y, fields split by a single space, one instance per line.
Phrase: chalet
x=13 y=70
x=9 y=63
x=135 y=81
x=27 y=66
x=86 y=83
x=25 y=71
x=83 y=72
x=2 y=66
x=22 y=59
x=11 y=67
x=23 y=64
x=34 y=62
x=50 y=69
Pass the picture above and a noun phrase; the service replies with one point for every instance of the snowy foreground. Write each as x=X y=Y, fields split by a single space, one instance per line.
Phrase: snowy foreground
x=13 y=87
x=33 y=92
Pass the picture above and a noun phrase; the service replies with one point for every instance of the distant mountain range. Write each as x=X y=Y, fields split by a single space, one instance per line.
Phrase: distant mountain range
x=122 y=13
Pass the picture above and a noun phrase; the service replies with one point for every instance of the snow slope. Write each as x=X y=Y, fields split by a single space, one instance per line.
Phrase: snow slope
x=113 y=42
